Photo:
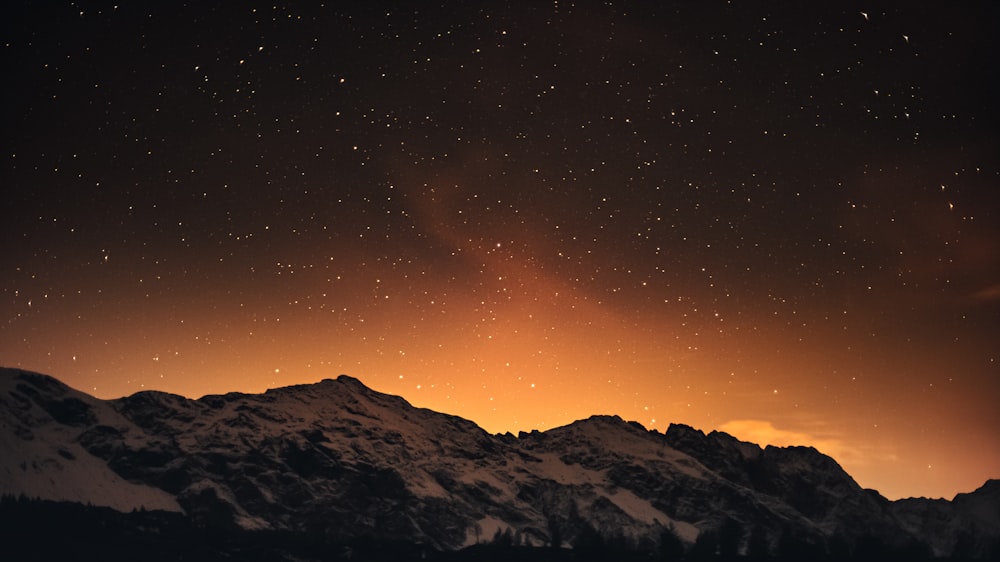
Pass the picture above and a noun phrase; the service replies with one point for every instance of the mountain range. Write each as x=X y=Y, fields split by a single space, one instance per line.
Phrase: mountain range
x=338 y=462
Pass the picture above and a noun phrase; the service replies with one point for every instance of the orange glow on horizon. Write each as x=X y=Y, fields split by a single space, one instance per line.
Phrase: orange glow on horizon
x=533 y=367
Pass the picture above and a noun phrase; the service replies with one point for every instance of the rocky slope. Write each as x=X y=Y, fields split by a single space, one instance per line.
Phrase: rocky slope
x=339 y=460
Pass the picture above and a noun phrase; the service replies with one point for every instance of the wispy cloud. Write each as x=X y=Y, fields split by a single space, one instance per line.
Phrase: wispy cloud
x=763 y=432
x=991 y=293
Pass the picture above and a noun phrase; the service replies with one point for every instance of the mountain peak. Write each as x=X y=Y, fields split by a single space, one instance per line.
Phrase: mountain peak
x=355 y=384
x=343 y=383
x=607 y=420
x=680 y=429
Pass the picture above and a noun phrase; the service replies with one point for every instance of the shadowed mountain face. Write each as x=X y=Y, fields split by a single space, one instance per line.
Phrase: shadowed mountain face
x=338 y=460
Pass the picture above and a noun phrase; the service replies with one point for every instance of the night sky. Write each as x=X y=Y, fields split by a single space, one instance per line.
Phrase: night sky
x=779 y=220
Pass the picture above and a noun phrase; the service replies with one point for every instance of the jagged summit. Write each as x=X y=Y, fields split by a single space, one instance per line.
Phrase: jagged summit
x=340 y=382
x=340 y=459
x=991 y=487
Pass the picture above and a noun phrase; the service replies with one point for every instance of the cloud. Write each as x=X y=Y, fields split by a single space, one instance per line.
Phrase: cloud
x=991 y=293
x=764 y=432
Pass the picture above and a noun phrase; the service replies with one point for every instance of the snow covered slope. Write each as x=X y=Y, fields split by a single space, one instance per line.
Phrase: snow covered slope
x=41 y=424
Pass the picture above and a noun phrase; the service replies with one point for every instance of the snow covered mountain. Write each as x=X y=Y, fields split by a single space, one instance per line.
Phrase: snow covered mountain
x=339 y=460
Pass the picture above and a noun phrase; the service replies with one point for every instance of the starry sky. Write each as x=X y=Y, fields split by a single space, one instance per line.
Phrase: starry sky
x=779 y=220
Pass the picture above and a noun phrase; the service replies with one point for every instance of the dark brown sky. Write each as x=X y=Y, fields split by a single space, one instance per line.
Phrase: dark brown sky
x=776 y=220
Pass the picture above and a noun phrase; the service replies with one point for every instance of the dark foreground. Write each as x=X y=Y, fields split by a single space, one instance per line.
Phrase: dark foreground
x=53 y=531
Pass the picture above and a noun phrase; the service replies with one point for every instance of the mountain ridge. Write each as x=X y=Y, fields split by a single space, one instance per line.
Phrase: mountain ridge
x=341 y=459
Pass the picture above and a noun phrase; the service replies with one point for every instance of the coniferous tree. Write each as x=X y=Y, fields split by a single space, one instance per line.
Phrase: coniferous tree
x=671 y=546
x=758 y=548
x=730 y=538
x=706 y=546
x=555 y=534
x=589 y=543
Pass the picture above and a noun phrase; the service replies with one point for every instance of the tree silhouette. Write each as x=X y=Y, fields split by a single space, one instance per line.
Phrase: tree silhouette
x=671 y=546
x=730 y=538
x=555 y=533
x=706 y=546
x=758 y=547
x=503 y=538
x=589 y=543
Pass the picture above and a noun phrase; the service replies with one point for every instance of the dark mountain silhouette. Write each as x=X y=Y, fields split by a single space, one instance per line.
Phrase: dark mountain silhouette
x=335 y=469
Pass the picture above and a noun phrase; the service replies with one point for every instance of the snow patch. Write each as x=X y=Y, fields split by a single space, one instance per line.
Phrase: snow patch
x=72 y=474
x=637 y=508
